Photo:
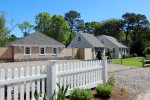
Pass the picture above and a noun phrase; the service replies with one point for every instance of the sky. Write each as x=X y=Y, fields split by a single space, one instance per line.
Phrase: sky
x=90 y=10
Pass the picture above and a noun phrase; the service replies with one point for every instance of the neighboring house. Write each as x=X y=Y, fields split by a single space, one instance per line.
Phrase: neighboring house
x=88 y=46
x=37 y=46
x=112 y=45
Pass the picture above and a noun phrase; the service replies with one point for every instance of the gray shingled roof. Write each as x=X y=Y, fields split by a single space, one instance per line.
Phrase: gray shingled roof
x=87 y=41
x=113 y=40
x=36 y=39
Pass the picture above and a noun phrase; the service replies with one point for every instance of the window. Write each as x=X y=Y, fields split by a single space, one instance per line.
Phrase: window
x=42 y=51
x=79 y=39
x=54 y=51
x=27 y=50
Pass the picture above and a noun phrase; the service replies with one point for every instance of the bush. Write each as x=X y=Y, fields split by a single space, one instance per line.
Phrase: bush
x=147 y=50
x=123 y=56
x=108 y=54
x=99 y=56
x=134 y=55
x=123 y=90
x=104 y=90
x=111 y=80
x=81 y=94
x=61 y=94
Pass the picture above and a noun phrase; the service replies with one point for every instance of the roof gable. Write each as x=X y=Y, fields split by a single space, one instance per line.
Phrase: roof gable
x=112 y=40
x=87 y=41
x=36 y=39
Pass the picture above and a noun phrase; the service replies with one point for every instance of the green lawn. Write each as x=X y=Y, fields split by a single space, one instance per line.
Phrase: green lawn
x=135 y=61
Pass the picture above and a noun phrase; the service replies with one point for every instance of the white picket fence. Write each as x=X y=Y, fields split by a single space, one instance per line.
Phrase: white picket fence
x=14 y=84
x=83 y=74
x=20 y=83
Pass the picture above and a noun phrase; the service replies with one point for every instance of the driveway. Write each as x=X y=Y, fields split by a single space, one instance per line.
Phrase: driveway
x=135 y=80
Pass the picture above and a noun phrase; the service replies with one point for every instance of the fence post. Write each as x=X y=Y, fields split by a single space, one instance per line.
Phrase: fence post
x=143 y=62
x=51 y=78
x=104 y=71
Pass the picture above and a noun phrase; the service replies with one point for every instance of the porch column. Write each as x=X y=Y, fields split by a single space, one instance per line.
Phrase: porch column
x=104 y=51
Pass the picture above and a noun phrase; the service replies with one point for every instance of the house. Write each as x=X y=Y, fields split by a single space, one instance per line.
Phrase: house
x=37 y=46
x=111 y=44
x=88 y=46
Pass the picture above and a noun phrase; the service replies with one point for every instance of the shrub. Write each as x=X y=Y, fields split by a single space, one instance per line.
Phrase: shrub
x=104 y=90
x=123 y=90
x=123 y=56
x=108 y=54
x=99 y=56
x=134 y=55
x=111 y=80
x=61 y=94
x=81 y=94
x=147 y=50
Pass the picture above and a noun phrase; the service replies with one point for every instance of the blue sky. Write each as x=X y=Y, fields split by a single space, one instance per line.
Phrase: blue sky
x=91 y=10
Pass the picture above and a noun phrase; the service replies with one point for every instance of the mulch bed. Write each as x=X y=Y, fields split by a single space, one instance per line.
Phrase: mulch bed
x=116 y=95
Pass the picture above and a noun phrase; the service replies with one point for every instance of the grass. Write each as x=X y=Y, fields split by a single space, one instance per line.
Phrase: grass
x=135 y=61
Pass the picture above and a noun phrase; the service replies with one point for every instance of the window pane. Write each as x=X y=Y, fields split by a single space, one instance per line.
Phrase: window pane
x=42 y=51
x=79 y=39
x=27 y=50
x=54 y=50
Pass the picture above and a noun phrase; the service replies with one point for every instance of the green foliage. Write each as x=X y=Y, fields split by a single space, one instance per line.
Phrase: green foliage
x=53 y=26
x=61 y=94
x=81 y=94
x=42 y=21
x=123 y=56
x=89 y=27
x=123 y=90
x=111 y=27
x=99 y=56
x=104 y=90
x=111 y=80
x=109 y=55
x=137 y=47
x=147 y=50
x=72 y=18
x=25 y=28
x=59 y=29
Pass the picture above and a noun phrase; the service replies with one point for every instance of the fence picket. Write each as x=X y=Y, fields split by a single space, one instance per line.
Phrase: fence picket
x=82 y=74
x=38 y=81
x=33 y=82
x=16 y=84
x=43 y=81
x=22 y=84
x=9 y=87
x=27 y=84
x=2 y=78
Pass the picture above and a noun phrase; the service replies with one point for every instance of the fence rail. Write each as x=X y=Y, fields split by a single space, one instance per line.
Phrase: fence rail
x=20 y=83
x=14 y=84
x=82 y=74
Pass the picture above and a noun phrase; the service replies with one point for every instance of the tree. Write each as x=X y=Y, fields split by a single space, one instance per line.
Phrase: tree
x=89 y=27
x=12 y=38
x=5 y=31
x=111 y=27
x=72 y=17
x=136 y=26
x=59 y=29
x=80 y=25
x=25 y=28
x=42 y=21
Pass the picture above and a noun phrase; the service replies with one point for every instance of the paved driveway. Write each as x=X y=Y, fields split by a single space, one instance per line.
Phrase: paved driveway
x=135 y=80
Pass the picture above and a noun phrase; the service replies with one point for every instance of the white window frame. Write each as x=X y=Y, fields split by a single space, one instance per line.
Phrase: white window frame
x=40 y=51
x=53 y=51
x=25 y=50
